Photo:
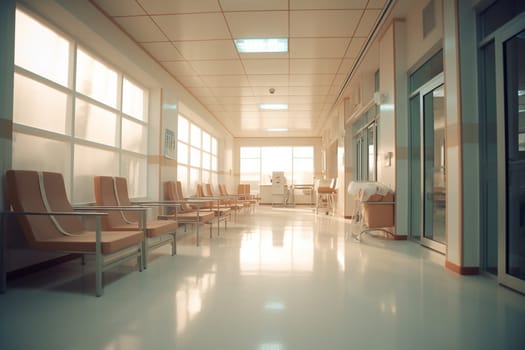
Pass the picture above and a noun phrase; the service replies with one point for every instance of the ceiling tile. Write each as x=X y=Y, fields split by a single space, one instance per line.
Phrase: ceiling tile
x=163 y=51
x=120 y=7
x=201 y=91
x=191 y=81
x=270 y=66
x=327 y=4
x=264 y=91
x=308 y=90
x=205 y=50
x=239 y=100
x=376 y=4
x=202 y=26
x=355 y=47
x=367 y=23
x=311 y=79
x=314 y=66
x=346 y=66
x=243 y=5
x=141 y=28
x=318 y=47
x=269 y=80
x=258 y=24
x=329 y=23
x=179 y=68
x=218 y=67
x=264 y=55
x=233 y=91
x=225 y=80
x=178 y=6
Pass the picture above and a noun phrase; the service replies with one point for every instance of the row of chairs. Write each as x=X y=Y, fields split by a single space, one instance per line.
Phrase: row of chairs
x=121 y=230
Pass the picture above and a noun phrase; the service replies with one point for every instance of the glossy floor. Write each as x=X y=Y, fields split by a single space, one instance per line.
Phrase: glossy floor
x=279 y=279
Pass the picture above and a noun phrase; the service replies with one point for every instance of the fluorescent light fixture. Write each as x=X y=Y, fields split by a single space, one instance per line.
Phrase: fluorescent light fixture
x=274 y=106
x=262 y=45
x=521 y=92
x=277 y=129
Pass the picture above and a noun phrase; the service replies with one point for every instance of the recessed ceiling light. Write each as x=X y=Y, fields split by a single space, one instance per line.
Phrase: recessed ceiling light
x=262 y=45
x=276 y=129
x=274 y=106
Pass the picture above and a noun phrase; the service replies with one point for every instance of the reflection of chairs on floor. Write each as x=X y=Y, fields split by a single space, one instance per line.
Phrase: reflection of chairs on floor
x=326 y=196
x=50 y=223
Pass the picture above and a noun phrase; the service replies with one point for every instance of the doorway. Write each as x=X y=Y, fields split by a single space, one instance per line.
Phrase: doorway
x=510 y=82
x=428 y=164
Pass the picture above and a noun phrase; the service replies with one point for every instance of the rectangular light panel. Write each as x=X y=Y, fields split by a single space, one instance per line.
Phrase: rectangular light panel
x=262 y=45
x=274 y=106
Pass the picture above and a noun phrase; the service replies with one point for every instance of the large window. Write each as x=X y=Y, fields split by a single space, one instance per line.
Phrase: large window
x=196 y=155
x=75 y=114
x=258 y=163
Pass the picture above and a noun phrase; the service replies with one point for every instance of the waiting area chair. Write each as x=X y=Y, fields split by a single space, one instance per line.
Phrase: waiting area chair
x=185 y=213
x=113 y=192
x=326 y=195
x=49 y=223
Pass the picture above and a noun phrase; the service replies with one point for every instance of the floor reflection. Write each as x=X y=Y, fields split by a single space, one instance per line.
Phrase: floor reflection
x=277 y=249
x=189 y=298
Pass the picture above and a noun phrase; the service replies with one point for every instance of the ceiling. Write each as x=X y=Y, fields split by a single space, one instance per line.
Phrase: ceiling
x=193 y=41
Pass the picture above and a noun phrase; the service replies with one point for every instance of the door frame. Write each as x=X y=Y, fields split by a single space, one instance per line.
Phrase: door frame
x=429 y=86
x=509 y=30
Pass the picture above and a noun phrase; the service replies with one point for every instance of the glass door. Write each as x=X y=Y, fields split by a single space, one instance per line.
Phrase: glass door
x=415 y=167
x=510 y=55
x=433 y=164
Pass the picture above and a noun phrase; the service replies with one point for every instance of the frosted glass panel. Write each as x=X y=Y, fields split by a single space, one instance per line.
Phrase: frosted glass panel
x=133 y=100
x=182 y=175
x=39 y=106
x=88 y=163
x=206 y=177
x=41 y=50
x=182 y=153
x=195 y=178
x=214 y=163
x=213 y=145
x=303 y=152
x=183 y=129
x=96 y=80
x=206 y=141
x=195 y=135
x=206 y=160
x=303 y=171
x=95 y=124
x=195 y=157
x=134 y=137
x=134 y=169
x=250 y=152
x=37 y=153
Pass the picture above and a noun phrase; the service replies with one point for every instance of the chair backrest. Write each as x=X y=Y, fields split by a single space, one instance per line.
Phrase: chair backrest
x=208 y=192
x=180 y=196
x=198 y=191
x=170 y=191
x=29 y=190
x=222 y=190
x=113 y=191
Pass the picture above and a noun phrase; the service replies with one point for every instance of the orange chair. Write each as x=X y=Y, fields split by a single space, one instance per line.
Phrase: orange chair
x=185 y=213
x=50 y=223
x=113 y=192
